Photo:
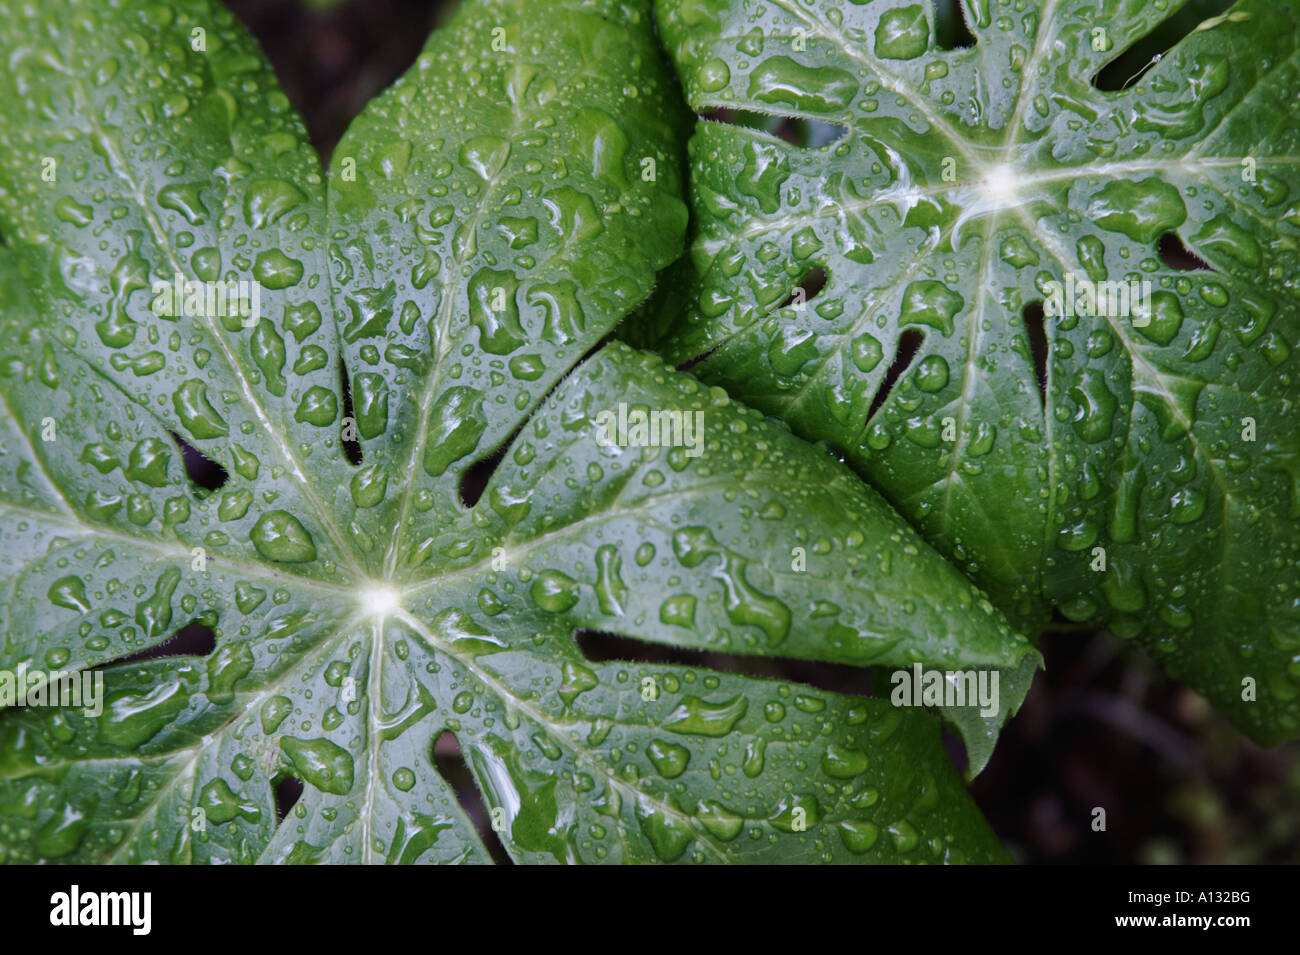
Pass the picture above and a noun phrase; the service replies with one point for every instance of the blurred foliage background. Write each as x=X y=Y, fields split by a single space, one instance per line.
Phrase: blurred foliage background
x=1102 y=727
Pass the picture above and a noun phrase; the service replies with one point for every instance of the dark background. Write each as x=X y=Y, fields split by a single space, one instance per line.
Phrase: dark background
x=1101 y=727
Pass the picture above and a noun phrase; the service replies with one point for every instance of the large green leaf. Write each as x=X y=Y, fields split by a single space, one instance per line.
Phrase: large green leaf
x=489 y=220
x=1157 y=489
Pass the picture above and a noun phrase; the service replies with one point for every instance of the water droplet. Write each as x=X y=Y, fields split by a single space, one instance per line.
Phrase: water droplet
x=821 y=89
x=902 y=33
x=1143 y=210
x=69 y=592
x=322 y=763
x=456 y=423
x=199 y=417
x=554 y=592
x=842 y=762
x=695 y=716
x=669 y=759
x=713 y=75
x=280 y=536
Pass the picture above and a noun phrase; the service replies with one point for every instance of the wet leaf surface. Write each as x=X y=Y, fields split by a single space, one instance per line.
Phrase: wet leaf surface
x=1152 y=489
x=482 y=228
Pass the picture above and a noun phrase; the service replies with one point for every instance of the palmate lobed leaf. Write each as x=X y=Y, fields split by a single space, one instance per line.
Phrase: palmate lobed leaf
x=361 y=611
x=1157 y=491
